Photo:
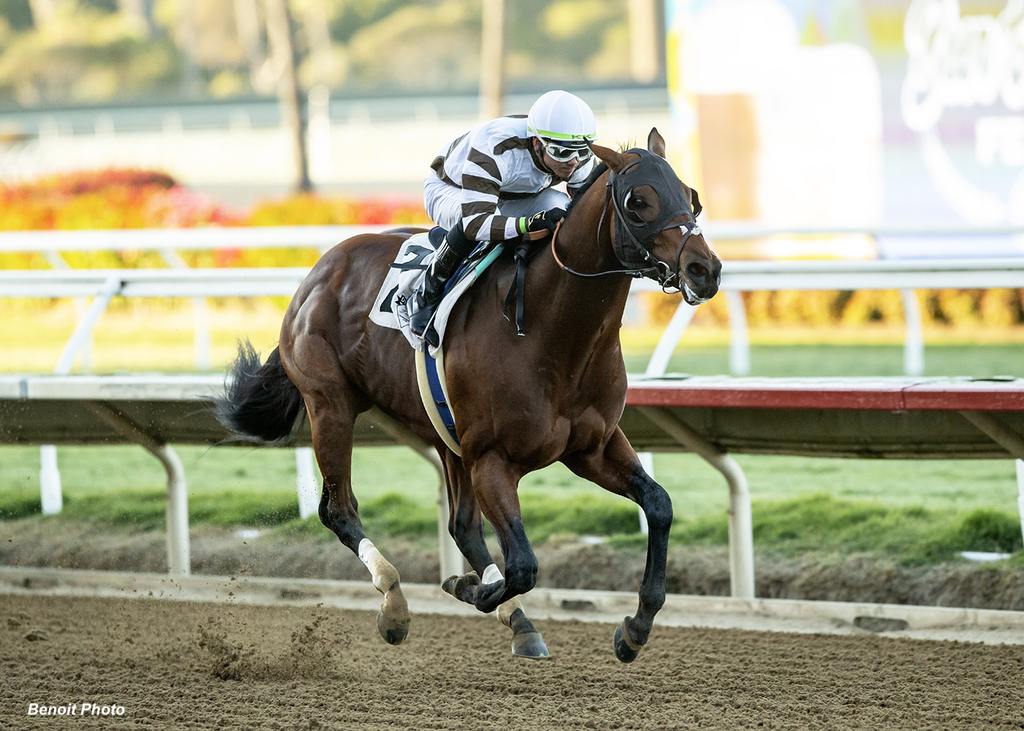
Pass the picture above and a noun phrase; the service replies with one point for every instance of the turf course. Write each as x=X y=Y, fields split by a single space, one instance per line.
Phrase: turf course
x=914 y=511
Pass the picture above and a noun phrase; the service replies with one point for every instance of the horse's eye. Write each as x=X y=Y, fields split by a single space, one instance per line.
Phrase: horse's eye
x=633 y=205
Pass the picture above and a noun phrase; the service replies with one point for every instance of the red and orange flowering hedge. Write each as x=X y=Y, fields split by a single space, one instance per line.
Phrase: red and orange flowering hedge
x=316 y=210
x=115 y=198
x=129 y=198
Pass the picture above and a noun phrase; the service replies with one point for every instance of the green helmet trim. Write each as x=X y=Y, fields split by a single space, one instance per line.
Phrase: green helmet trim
x=561 y=136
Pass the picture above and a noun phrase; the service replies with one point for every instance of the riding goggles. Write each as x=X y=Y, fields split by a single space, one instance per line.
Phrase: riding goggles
x=564 y=154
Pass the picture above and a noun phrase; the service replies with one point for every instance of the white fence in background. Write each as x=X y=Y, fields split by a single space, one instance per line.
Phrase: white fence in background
x=101 y=286
x=942 y=255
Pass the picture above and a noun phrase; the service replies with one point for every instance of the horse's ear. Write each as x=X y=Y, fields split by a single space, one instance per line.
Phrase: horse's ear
x=656 y=143
x=695 y=202
x=614 y=160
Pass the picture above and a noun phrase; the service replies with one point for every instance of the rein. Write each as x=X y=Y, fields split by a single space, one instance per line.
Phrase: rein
x=667 y=277
x=631 y=253
x=635 y=273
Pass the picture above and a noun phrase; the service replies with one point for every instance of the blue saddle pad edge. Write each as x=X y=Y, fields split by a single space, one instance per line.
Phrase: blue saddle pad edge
x=433 y=379
x=437 y=393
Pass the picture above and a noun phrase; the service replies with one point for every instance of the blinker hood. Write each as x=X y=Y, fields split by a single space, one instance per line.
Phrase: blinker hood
x=634 y=235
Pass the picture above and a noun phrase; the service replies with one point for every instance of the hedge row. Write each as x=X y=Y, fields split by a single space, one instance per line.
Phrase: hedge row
x=126 y=198
x=996 y=308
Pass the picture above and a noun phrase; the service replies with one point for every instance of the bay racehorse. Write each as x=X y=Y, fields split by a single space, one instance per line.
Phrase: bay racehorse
x=520 y=403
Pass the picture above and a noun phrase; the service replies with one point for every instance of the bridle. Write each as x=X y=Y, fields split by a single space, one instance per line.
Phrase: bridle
x=633 y=236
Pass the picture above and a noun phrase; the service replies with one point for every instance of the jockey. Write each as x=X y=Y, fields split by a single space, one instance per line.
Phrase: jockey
x=494 y=183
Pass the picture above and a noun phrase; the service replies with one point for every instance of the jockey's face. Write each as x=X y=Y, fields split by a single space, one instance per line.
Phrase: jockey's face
x=561 y=170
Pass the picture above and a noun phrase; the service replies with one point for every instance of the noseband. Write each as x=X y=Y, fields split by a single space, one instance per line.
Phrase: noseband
x=633 y=236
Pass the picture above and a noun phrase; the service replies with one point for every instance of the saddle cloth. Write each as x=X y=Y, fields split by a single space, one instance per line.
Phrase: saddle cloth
x=396 y=300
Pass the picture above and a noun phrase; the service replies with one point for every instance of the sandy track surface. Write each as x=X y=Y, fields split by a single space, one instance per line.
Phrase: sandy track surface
x=193 y=665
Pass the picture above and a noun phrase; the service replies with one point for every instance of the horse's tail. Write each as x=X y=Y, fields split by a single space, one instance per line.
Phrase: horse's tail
x=259 y=401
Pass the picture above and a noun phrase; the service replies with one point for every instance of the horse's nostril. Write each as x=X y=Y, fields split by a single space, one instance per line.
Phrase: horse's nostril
x=698 y=272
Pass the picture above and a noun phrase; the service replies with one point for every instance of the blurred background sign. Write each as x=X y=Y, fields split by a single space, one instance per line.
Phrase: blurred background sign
x=808 y=112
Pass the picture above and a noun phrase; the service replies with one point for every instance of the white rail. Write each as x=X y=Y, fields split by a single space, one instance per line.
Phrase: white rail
x=906 y=276
x=187 y=239
x=181 y=239
x=739 y=276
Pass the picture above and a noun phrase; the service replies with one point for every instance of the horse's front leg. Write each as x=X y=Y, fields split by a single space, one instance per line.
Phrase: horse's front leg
x=617 y=468
x=495 y=485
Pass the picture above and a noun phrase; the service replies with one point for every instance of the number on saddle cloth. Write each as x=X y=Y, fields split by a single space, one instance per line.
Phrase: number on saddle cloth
x=436 y=237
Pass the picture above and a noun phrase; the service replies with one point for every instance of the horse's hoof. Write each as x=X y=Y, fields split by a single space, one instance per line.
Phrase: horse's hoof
x=625 y=650
x=531 y=645
x=449 y=585
x=393 y=631
x=489 y=596
x=463 y=587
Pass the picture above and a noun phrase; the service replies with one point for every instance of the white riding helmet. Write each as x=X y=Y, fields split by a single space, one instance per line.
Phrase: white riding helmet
x=562 y=118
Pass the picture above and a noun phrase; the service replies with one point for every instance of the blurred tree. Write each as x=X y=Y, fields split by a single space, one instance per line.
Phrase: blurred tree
x=492 y=59
x=249 y=23
x=219 y=47
x=314 y=21
x=16 y=13
x=644 y=30
x=424 y=46
x=349 y=18
x=140 y=11
x=559 y=42
x=84 y=54
x=281 y=33
x=43 y=11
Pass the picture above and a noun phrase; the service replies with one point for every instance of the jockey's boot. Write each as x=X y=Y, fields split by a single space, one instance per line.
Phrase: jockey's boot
x=444 y=264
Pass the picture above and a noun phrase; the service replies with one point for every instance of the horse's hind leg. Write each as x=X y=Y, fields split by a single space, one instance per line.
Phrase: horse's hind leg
x=466 y=527
x=331 y=422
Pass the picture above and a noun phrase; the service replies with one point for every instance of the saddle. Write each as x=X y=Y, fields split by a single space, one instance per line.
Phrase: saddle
x=396 y=302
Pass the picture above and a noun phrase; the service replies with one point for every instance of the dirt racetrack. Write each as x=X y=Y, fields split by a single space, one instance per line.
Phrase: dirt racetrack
x=192 y=665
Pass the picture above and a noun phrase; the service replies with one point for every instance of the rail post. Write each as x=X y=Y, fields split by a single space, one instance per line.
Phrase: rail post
x=305 y=482
x=739 y=340
x=51 y=497
x=450 y=561
x=1008 y=440
x=179 y=552
x=741 y=526
x=657 y=366
x=913 y=345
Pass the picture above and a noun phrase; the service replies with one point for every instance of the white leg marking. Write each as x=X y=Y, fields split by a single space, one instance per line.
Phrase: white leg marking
x=376 y=564
x=491 y=574
x=506 y=610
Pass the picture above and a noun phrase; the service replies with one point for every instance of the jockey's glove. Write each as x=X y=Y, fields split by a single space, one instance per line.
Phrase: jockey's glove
x=542 y=222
